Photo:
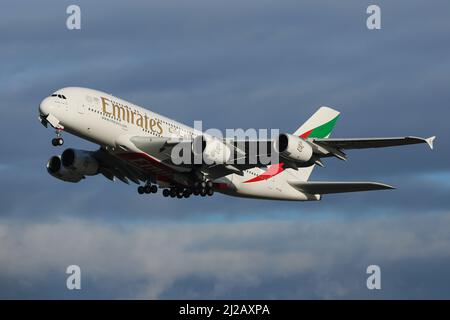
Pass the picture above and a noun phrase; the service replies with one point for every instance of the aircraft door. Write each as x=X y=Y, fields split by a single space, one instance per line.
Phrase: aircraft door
x=87 y=103
x=81 y=106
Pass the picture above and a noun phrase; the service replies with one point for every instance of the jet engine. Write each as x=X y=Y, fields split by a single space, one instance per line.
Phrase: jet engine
x=80 y=161
x=212 y=150
x=56 y=169
x=294 y=148
x=73 y=165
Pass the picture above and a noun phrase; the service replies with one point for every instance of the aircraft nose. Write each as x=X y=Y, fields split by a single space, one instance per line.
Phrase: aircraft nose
x=45 y=107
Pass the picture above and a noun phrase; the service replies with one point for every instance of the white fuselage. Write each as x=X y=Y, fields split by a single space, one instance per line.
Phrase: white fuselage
x=110 y=122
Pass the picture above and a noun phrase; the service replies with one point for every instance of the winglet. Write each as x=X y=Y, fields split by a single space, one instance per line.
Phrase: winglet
x=430 y=141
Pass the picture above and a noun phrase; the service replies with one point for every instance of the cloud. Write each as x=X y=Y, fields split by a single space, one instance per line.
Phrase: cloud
x=256 y=259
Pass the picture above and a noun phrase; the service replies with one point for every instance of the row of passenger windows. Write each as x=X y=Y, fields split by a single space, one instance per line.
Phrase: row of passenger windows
x=252 y=173
x=61 y=96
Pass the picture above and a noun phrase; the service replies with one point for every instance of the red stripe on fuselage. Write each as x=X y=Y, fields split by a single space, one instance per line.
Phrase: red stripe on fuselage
x=221 y=186
x=272 y=171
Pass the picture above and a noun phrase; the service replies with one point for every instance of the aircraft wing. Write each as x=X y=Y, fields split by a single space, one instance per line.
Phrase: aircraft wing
x=324 y=187
x=112 y=167
x=161 y=149
x=362 y=143
x=137 y=158
x=151 y=156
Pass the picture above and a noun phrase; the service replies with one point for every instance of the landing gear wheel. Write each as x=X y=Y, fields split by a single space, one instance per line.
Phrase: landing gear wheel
x=196 y=192
x=140 y=190
x=179 y=195
x=154 y=189
x=147 y=189
x=210 y=192
x=203 y=192
x=173 y=193
x=166 y=193
x=209 y=184
x=186 y=193
x=57 y=142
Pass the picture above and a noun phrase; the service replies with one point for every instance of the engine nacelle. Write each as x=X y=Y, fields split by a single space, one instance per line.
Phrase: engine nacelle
x=80 y=161
x=57 y=170
x=212 y=150
x=294 y=148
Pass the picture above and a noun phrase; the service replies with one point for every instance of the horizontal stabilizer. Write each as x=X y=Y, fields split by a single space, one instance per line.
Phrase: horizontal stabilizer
x=324 y=187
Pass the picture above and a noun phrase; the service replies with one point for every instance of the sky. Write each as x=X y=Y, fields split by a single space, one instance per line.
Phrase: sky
x=232 y=64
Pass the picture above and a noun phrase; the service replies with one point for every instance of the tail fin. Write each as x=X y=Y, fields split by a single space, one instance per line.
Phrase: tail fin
x=319 y=125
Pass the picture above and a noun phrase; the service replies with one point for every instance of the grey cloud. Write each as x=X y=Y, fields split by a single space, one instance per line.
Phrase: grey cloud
x=262 y=259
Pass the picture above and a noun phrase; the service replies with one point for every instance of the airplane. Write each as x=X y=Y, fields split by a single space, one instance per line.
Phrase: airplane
x=136 y=145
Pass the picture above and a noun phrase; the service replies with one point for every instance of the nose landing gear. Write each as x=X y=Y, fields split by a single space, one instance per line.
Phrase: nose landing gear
x=58 y=141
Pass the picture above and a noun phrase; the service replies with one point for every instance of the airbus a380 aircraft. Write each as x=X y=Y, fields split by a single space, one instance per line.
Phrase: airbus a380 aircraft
x=136 y=144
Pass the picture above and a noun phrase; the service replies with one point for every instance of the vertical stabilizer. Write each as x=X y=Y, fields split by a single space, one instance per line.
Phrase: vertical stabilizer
x=319 y=125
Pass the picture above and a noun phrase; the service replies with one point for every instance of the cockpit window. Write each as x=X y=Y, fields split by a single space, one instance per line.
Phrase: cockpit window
x=61 y=96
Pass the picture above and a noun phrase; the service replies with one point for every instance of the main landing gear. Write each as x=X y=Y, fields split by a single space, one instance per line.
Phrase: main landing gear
x=203 y=189
x=148 y=188
x=58 y=141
